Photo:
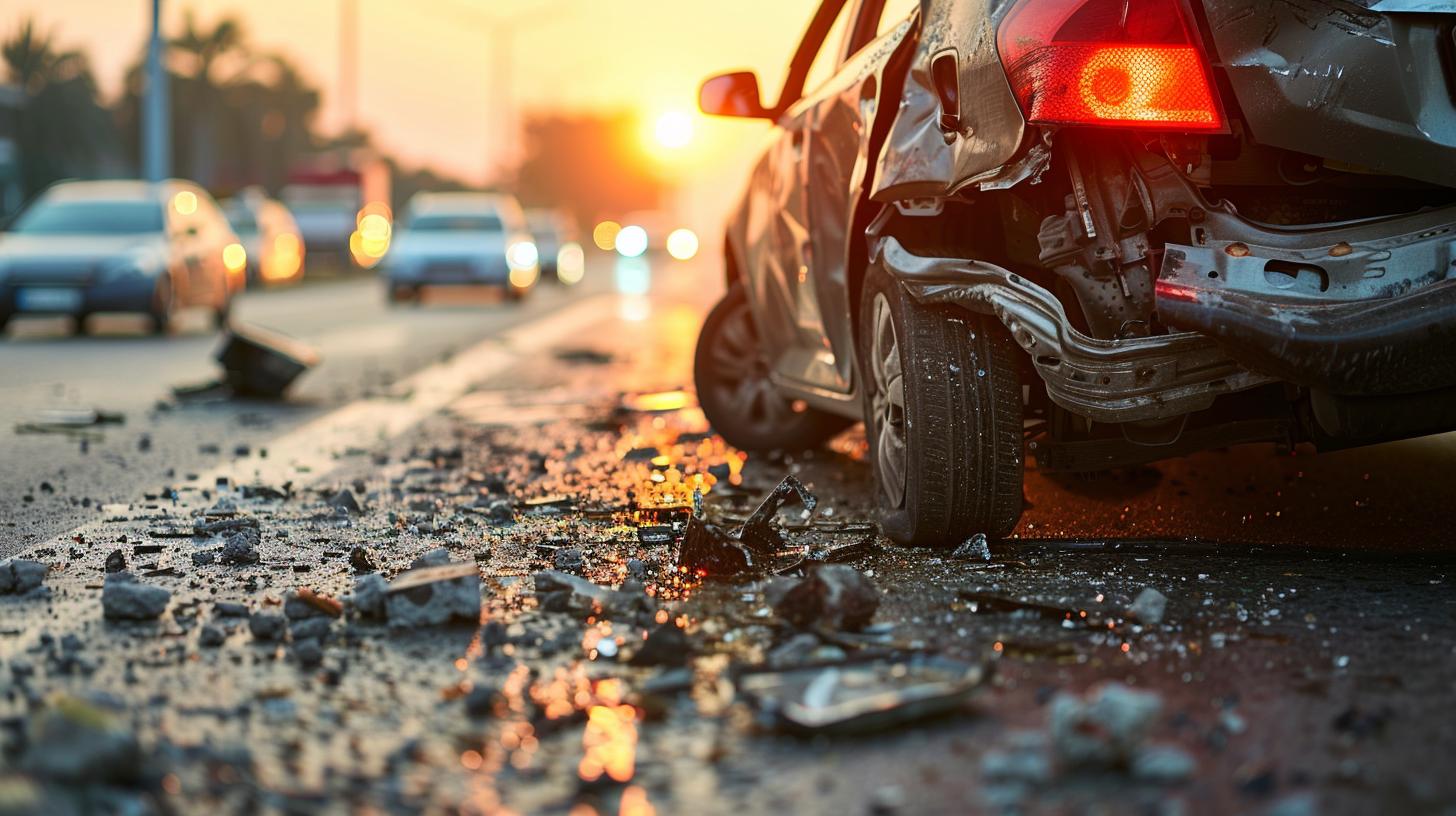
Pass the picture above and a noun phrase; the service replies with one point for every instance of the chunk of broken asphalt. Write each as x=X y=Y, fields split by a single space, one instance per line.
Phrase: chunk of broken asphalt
x=834 y=595
x=74 y=741
x=239 y=548
x=267 y=626
x=367 y=599
x=122 y=598
x=1105 y=729
x=19 y=576
x=667 y=645
x=344 y=500
x=431 y=596
x=363 y=559
x=1149 y=606
x=569 y=559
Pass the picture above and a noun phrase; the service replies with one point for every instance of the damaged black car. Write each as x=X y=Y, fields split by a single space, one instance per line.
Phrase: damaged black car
x=1096 y=232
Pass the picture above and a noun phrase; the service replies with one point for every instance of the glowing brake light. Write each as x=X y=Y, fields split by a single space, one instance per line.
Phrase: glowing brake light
x=1127 y=63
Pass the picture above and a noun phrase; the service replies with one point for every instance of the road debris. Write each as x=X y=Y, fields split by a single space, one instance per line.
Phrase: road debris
x=1105 y=729
x=975 y=548
x=434 y=595
x=260 y=363
x=832 y=595
x=19 y=576
x=124 y=598
x=1149 y=606
x=856 y=698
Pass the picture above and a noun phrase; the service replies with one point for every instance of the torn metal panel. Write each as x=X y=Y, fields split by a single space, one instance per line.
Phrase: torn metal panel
x=1343 y=80
x=1105 y=380
x=923 y=158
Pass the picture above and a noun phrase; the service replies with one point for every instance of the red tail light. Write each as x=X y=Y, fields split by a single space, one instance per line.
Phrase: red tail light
x=1129 y=63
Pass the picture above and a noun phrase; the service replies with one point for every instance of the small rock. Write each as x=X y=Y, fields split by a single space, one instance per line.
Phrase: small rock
x=1163 y=764
x=1149 y=606
x=202 y=558
x=975 y=548
x=570 y=560
x=834 y=595
x=367 y=599
x=239 y=548
x=434 y=595
x=308 y=652
x=344 y=501
x=211 y=635
x=230 y=609
x=363 y=559
x=19 y=576
x=73 y=741
x=122 y=598
x=1103 y=730
x=266 y=626
x=115 y=562
x=310 y=629
x=437 y=557
x=667 y=645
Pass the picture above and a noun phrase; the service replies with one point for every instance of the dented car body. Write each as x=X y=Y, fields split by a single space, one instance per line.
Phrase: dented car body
x=1159 y=226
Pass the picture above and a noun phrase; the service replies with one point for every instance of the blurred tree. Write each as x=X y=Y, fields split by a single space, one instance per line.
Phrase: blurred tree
x=64 y=131
x=586 y=164
x=239 y=118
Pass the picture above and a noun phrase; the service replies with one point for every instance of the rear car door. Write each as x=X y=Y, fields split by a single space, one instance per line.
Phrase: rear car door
x=838 y=117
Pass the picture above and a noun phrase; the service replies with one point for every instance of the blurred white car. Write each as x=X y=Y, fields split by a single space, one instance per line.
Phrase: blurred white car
x=461 y=239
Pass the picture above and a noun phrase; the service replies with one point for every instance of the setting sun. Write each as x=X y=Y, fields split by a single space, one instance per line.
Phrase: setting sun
x=674 y=130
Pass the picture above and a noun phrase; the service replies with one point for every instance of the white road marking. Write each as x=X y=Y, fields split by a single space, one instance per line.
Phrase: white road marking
x=314 y=448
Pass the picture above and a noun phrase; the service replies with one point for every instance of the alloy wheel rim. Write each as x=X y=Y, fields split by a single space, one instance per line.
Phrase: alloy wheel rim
x=887 y=403
x=743 y=383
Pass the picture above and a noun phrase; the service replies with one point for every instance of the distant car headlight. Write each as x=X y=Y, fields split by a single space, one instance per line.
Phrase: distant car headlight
x=523 y=255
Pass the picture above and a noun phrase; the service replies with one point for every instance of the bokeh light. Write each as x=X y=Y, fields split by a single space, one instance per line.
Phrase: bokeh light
x=570 y=263
x=632 y=241
x=682 y=244
x=605 y=235
x=674 y=130
x=235 y=258
x=185 y=202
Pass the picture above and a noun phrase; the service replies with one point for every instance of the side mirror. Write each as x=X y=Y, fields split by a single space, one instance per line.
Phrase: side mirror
x=734 y=94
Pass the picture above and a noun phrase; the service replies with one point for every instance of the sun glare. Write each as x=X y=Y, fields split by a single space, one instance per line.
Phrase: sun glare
x=674 y=130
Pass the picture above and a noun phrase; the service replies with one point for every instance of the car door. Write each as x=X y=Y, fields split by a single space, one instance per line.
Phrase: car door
x=838 y=120
x=776 y=239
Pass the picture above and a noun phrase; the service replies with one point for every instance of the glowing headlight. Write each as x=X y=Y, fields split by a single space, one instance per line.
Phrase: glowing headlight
x=522 y=255
x=632 y=241
x=235 y=258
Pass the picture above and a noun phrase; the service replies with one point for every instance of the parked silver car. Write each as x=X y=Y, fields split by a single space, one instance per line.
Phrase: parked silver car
x=461 y=239
x=120 y=246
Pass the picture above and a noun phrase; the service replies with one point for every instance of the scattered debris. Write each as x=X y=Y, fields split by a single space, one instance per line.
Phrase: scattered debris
x=863 y=697
x=21 y=577
x=239 y=548
x=74 y=741
x=344 y=502
x=115 y=561
x=1103 y=730
x=1149 y=606
x=123 y=598
x=430 y=596
x=832 y=595
x=975 y=548
x=260 y=363
x=362 y=559
x=266 y=626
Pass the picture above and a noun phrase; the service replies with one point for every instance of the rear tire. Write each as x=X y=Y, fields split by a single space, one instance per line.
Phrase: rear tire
x=943 y=417
x=742 y=404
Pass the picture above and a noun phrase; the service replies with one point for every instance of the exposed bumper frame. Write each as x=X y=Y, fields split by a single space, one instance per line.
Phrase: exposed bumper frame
x=1124 y=380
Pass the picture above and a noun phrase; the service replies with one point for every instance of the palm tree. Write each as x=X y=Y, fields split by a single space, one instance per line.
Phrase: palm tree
x=202 y=50
x=63 y=129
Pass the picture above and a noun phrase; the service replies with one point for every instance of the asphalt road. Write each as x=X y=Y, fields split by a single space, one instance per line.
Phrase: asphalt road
x=1302 y=664
x=50 y=482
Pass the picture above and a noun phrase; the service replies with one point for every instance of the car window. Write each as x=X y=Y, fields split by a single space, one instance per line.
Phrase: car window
x=443 y=222
x=91 y=218
x=830 y=52
x=894 y=13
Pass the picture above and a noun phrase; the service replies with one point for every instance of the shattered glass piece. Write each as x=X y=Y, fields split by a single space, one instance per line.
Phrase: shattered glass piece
x=857 y=698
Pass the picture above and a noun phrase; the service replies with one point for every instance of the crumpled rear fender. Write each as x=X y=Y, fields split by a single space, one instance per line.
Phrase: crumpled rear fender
x=920 y=160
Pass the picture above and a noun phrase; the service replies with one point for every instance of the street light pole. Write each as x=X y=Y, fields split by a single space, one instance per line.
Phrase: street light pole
x=156 y=118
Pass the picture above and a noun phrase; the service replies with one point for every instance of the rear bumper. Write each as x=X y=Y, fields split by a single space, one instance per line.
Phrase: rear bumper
x=124 y=295
x=1367 y=309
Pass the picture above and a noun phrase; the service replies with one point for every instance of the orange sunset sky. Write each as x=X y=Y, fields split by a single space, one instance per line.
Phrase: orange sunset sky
x=425 y=66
